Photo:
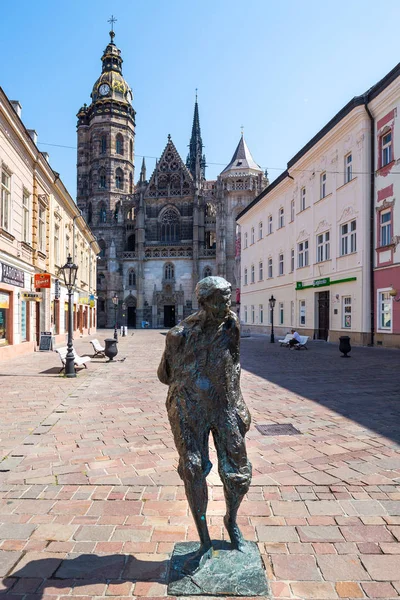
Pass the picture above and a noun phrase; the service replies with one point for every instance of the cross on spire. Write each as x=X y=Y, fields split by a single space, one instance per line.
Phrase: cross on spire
x=242 y=129
x=112 y=20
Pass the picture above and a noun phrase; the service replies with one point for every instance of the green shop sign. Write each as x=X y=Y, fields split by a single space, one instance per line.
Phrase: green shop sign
x=322 y=282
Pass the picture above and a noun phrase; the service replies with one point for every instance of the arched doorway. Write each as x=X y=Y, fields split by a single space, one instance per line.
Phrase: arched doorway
x=130 y=302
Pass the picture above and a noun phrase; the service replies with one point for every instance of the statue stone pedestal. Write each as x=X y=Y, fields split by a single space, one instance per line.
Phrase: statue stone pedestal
x=227 y=573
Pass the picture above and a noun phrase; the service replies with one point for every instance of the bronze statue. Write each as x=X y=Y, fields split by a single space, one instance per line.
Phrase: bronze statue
x=201 y=366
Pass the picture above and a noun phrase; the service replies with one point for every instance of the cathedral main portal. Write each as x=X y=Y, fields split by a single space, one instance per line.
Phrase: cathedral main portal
x=169 y=315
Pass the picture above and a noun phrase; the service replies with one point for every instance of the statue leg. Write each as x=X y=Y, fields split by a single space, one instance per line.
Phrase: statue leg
x=235 y=472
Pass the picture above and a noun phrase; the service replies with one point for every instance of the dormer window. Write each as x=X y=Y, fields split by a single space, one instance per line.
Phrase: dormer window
x=239 y=162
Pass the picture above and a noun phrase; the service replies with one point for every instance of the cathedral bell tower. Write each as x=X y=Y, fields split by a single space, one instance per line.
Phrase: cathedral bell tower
x=105 y=169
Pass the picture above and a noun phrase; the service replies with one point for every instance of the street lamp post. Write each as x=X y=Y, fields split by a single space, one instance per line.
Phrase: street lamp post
x=123 y=319
x=272 y=301
x=69 y=271
x=115 y=302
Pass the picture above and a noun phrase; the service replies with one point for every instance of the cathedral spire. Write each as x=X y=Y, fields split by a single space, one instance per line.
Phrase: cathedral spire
x=196 y=161
x=143 y=171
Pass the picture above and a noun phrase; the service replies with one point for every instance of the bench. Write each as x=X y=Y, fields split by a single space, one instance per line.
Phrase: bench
x=285 y=341
x=98 y=348
x=303 y=343
x=79 y=361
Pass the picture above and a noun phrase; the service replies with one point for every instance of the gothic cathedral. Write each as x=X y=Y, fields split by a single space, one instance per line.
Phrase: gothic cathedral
x=158 y=237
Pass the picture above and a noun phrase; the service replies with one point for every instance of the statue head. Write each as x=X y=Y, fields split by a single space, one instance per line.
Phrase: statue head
x=214 y=296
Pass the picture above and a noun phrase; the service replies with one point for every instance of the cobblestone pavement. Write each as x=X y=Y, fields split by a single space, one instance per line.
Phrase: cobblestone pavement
x=91 y=504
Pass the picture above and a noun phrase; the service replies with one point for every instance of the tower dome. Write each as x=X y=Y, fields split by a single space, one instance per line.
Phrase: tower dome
x=111 y=85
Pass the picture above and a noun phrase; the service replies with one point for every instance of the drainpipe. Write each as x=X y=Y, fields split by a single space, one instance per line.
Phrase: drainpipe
x=372 y=220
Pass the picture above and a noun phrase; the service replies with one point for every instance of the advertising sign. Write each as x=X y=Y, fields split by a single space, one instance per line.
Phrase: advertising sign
x=11 y=275
x=31 y=296
x=42 y=280
x=57 y=289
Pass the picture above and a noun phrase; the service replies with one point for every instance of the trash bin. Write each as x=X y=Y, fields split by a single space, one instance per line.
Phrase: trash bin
x=344 y=346
x=111 y=349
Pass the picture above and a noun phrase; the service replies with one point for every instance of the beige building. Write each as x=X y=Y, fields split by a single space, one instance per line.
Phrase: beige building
x=39 y=225
x=305 y=238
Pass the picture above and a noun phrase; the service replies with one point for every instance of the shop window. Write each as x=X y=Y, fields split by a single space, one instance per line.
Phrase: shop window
x=346 y=312
x=24 y=321
x=302 y=313
x=384 y=311
x=280 y=313
x=5 y=318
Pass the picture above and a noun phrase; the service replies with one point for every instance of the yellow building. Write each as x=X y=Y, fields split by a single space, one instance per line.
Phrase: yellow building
x=39 y=225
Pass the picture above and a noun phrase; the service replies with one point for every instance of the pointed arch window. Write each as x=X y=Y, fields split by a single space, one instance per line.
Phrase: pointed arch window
x=102 y=179
x=90 y=213
x=131 y=150
x=130 y=183
x=207 y=272
x=130 y=243
x=170 y=229
x=119 y=179
x=119 y=144
x=102 y=245
x=103 y=144
x=169 y=271
x=100 y=280
x=103 y=214
x=132 y=278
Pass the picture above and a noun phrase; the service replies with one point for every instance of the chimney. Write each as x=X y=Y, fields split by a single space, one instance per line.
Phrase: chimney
x=33 y=135
x=16 y=106
x=46 y=156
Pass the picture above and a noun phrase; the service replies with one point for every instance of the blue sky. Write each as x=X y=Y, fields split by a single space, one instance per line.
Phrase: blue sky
x=281 y=70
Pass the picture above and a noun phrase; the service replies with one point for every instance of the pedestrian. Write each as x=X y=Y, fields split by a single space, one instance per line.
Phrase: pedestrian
x=295 y=341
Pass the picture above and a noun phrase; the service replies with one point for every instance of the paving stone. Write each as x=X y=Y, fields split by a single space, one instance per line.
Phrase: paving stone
x=55 y=531
x=90 y=566
x=316 y=533
x=96 y=533
x=38 y=564
x=324 y=507
x=366 y=533
x=7 y=561
x=16 y=531
x=275 y=533
x=313 y=590
x=349 y=589
x=374 y=589
x=342 y=568
x=300 y=567
x=289 y=509
x=382 y=568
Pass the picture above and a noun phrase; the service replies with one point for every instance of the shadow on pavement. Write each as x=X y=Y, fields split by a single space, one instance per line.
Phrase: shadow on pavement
x=83 y=570
x=364 y=388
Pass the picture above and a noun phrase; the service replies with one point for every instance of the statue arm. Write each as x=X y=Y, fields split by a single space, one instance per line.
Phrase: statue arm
x=172 y=345
x=164 y=370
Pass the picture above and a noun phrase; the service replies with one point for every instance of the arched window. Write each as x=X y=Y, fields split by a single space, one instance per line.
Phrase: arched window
x=119 y=179
x=130 y=183
x=103 y=144
x=102 y=245
x=102 y=179
x=131 y=150
x=169 y=271
x=245 y=277
x=100 y=280
x=260 y=230
x=132 y=278
x=90 y=213
x=119 y=144
x=207 y=272
x=130 y=243
x=103 y=214
x=170 y=225
x=252 y=274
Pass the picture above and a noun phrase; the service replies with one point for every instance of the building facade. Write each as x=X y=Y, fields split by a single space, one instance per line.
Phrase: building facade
x=323 y=238
x=384 y=107
x=160 y=236
x=39 y=225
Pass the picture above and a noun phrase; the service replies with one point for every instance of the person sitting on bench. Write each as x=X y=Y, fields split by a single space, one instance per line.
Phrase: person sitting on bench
x=295 y=341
